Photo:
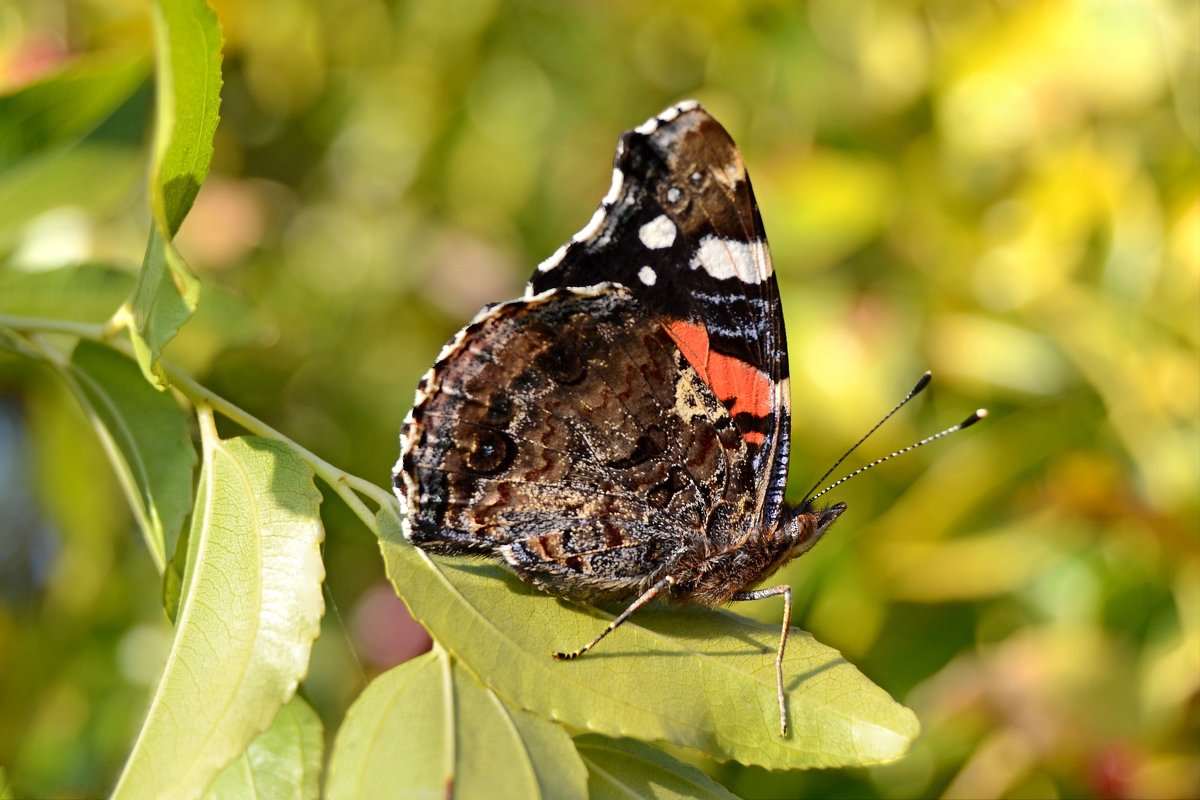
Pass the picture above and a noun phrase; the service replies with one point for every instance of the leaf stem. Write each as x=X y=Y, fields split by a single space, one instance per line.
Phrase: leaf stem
x=208 y=426
x=84 y=330
x=342 y=483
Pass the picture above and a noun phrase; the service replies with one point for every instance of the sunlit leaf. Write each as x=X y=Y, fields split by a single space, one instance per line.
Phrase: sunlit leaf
x=251 y=609
x=430 y=727
x=65 y=105
x=624 y=768
x=282 y=762
x=147 y=439
x=82 y=294
x=695 y=677
x=188 y=96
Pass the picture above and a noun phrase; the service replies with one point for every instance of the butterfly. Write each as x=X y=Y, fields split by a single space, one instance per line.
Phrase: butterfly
x=621 y=432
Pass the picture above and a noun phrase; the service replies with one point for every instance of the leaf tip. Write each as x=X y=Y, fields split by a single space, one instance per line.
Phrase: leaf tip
x=881 y=744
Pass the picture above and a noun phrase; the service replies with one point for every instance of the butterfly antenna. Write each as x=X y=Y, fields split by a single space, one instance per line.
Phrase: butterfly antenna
x=916 y=390
x=966 y=423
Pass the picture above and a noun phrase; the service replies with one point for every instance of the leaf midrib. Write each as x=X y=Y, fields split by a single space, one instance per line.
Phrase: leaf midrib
x=219 y=449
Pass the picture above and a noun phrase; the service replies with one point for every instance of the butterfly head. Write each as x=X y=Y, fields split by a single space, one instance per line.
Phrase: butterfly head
x=804 y=525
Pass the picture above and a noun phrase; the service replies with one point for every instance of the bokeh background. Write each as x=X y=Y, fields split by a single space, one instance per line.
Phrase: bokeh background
x=1007 y=193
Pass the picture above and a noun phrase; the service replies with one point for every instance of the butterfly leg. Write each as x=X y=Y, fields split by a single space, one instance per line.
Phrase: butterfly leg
x=760 y=594
x=645 y=597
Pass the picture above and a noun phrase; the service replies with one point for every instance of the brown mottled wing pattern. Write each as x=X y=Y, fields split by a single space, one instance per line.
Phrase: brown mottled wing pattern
x=566 y=434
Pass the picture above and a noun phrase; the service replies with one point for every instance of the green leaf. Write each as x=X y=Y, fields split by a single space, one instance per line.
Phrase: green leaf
x=430 y=727
x=625 y=768
x=163 y=300
x=251 y=609
x=189 y=98
x=62 y=107
x=696 y=677
x=282 y=762
x=81 y=294
x=146 y=436
x=189 y=104
x=172 y=578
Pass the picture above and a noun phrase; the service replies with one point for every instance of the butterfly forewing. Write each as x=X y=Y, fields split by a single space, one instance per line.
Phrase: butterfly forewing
x=681 y=229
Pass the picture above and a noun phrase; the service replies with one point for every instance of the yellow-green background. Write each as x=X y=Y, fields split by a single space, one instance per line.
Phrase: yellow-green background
x=1007 y=193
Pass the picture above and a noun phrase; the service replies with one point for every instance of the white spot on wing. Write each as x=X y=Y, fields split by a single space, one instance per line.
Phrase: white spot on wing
x=648 y=127
x=658 y=233
x=647 y=276
x=729 y=258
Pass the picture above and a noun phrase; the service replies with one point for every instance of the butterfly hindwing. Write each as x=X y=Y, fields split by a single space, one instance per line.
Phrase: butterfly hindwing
x=565 y=434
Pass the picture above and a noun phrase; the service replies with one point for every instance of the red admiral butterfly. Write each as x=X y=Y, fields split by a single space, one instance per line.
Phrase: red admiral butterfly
x=622 y=430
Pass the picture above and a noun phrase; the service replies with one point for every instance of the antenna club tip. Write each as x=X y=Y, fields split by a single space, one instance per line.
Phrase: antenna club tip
x=922 y=382
x=980 y=413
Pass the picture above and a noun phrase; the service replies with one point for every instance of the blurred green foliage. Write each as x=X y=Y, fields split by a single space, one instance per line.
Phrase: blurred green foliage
x=1005 y=193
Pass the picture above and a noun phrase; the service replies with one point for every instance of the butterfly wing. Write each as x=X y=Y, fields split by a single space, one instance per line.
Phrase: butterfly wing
x=567 y=434
x=680 y=228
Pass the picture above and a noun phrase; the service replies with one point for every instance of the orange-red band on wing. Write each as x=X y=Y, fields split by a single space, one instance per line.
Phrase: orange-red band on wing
x=731 y=379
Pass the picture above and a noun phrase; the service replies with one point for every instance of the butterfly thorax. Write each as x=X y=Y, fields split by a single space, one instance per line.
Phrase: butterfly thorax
x=715 y=578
